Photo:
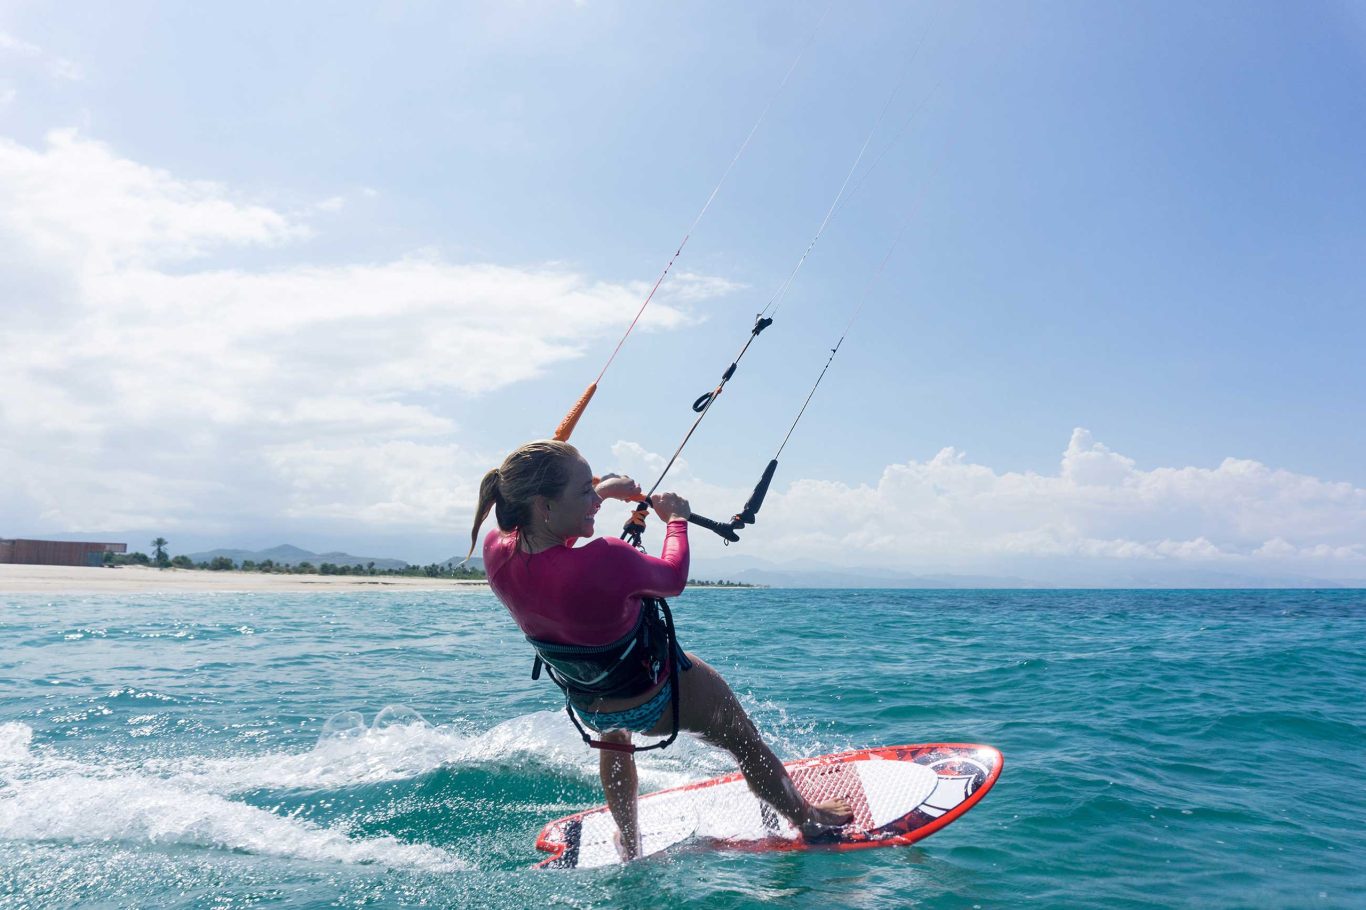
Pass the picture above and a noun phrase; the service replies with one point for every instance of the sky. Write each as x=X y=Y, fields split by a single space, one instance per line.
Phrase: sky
x=302 y=273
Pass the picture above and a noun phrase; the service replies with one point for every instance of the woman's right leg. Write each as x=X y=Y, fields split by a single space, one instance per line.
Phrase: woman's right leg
x=620 y=784
x=708 y=707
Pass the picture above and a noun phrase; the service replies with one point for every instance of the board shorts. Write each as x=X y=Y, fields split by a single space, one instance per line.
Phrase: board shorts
x=640 y=719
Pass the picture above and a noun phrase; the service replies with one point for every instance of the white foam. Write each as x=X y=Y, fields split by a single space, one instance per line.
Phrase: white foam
x=549 y=739
x=398 y=746
x=14 y=740
x=352 y=754
x=358 y=758
x=150 y=810
x=45 y=797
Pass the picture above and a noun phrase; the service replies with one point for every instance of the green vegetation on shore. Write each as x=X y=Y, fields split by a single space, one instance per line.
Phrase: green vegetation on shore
x=270 y=566
x=704 y=583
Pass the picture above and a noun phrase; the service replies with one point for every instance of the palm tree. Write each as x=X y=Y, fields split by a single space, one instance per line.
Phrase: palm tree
x=159 y=552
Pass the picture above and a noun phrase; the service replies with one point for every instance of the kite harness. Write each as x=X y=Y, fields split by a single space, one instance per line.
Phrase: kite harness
x=625 y=668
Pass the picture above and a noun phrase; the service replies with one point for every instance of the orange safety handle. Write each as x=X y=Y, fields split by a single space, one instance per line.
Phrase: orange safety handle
x=571 y=420
x=639 y=513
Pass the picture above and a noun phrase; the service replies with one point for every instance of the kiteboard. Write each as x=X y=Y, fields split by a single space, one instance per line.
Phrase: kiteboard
x=899 y=795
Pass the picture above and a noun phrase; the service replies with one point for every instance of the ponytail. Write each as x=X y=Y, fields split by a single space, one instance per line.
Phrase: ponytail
x=488 y=496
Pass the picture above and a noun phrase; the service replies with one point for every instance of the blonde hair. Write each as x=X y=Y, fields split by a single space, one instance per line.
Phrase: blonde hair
x=538 y=468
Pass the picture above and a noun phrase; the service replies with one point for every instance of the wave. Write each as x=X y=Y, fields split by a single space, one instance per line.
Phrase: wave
x=1299 y=729
x=207 y=801
x=49 y=798
x=399 y=745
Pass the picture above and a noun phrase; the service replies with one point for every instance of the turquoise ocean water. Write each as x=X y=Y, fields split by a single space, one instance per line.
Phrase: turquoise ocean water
x=1176 y=748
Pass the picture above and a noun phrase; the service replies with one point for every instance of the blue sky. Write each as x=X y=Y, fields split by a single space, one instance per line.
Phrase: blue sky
x=343 y=260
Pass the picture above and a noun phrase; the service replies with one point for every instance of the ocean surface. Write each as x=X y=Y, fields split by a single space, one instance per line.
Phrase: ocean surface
x=1163 y=748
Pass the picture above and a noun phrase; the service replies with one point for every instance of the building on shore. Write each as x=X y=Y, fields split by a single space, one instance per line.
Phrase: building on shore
x=56 y=552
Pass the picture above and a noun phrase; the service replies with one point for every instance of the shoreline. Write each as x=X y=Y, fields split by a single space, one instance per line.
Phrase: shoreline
x=26 y=579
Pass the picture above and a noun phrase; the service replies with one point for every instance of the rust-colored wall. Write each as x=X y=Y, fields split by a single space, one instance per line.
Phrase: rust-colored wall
x=57 y=552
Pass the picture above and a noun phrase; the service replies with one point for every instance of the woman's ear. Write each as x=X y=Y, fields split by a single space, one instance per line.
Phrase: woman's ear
x=540 y=509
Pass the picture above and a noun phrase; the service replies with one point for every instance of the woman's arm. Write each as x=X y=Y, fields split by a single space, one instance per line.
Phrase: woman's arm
x=633 y=572
x=616 y=486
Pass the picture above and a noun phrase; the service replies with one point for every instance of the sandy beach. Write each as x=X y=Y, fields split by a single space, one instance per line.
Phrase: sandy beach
x=23 y=579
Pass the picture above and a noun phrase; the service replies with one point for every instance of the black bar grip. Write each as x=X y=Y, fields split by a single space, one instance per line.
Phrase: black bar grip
x=756 y=499
x=715 y=526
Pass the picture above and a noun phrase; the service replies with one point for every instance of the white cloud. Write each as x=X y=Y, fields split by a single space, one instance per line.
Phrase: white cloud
x=151 y=380
x=639 y=462
x=66 y=69
x=144 y=387
x=57 y=66
x=80 y=204
x=1088 y=463
x=12 y=45
x=689 y=287
x=7 y=94
x=949 y=514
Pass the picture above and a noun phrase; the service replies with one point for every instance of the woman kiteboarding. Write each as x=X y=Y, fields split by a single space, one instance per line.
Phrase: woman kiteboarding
x=595 y=615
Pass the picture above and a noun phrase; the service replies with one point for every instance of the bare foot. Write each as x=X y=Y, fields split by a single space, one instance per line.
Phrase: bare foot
x=626 y=856
x=827 y=817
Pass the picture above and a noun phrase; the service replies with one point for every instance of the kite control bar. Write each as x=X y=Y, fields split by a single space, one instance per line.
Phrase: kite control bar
x=635 y=525
x=717 y=527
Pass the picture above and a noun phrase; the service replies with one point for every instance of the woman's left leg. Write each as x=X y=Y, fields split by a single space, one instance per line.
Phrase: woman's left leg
x=620 y=783
x=709 y=708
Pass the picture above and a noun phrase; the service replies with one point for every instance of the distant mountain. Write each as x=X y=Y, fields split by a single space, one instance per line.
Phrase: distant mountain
x=811 y=574
x=476 y=562
x=854 y=578
x=286 y=555
x=1114 y=574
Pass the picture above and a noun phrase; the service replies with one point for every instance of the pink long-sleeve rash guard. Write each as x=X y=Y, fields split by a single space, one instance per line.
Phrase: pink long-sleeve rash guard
x=588 y=595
